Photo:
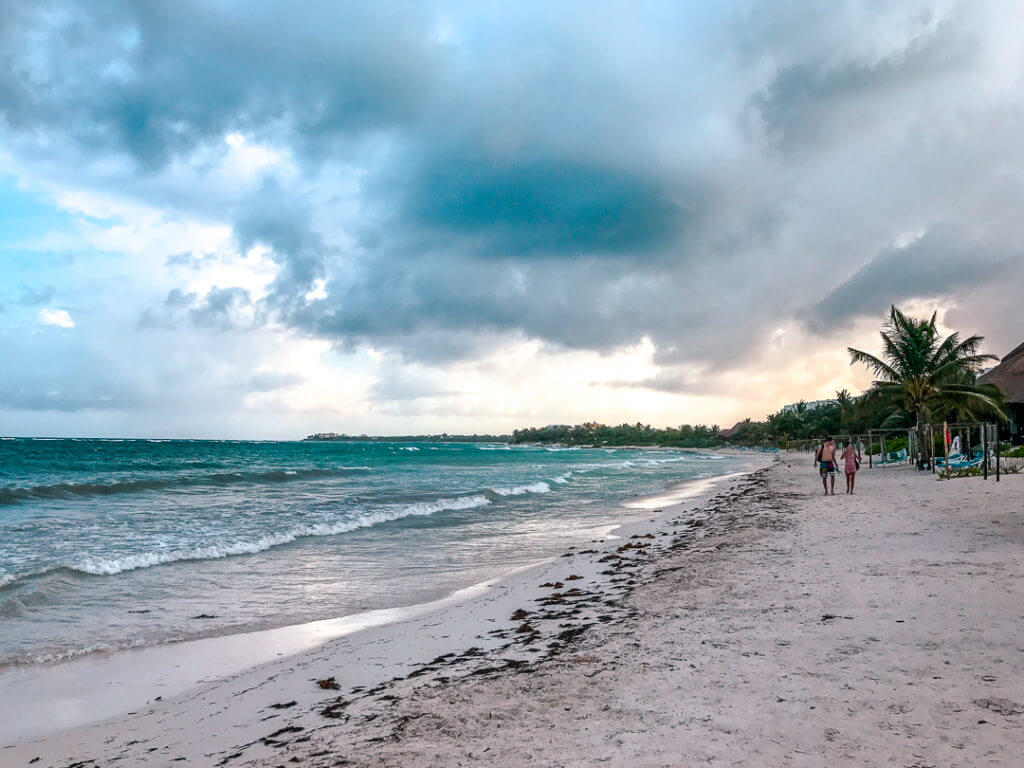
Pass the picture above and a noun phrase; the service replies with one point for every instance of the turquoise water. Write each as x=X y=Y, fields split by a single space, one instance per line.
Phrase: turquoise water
x=106 y=544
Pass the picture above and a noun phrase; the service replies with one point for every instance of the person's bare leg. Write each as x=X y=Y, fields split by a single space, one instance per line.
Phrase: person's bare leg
x=824 y=483
x=853 y=479
x=832 y=476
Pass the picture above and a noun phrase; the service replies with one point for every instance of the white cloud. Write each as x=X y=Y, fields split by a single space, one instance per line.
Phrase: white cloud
x=58 y=317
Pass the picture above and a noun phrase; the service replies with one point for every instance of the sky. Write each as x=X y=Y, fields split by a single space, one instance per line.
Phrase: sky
x=260 y=219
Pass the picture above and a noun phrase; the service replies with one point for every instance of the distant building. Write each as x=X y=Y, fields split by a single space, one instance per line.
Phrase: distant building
x=1009 y=377
x=325 y=436
x=725 y=434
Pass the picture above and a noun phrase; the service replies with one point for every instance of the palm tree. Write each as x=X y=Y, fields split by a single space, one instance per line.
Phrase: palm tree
x=920 y=376
x=844 y=402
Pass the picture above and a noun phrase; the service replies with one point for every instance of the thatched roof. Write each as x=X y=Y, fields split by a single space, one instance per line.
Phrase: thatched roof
x=731 y=431
x=1008 y=376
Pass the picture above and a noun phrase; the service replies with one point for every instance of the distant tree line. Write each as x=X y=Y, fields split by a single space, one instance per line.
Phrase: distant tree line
x=334 y=437
x=922 y=378
x=844 y=415
x=683 y=436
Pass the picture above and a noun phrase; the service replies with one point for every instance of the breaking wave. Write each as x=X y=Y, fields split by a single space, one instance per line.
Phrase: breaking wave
x=108 y=566
x=519 y=490
x=14 y=495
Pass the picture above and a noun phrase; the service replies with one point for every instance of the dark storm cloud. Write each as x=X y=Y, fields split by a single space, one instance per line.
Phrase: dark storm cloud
x=545 y=206
x=221 y=309
x=938 y=263
x=274 y=218
x=155 y=80
x=667 y=381
x=218 y=308
x=586 y=175
x=577 y=304
x=810 y=101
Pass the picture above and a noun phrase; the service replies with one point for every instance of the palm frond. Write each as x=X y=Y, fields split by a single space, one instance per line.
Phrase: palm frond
x=874 y=364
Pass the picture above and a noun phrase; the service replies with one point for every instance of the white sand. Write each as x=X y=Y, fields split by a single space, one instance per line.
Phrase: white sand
x=717 y=647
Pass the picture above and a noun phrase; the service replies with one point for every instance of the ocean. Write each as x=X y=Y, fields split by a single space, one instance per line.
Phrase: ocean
x=107 y=544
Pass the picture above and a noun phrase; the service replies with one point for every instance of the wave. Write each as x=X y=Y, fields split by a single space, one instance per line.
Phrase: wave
x=409 y=448
x=13 y=495
x=109 y=566
x=50 y=657
x=519 y=490
x=494 y=448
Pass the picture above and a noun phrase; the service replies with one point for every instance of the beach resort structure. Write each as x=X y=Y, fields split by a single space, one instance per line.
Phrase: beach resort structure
x=1009 y=377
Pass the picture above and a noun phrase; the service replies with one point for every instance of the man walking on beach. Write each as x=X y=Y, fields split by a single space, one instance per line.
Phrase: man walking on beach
x=825 y=460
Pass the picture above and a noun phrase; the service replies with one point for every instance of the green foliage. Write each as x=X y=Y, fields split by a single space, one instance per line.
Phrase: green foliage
x=845 y=415
x=922 y=377
x=895 y=444
x=961 y=472
x=1014 y=453
x=683 y=436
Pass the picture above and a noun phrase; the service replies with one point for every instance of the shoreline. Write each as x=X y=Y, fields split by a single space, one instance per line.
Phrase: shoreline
x=774 y=628
x=82 y=694
x=755 y=624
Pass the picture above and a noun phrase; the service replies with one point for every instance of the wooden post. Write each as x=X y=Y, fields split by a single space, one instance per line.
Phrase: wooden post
x=869 y=449
x=984 y=451
x=996 y=428
x=945 y=447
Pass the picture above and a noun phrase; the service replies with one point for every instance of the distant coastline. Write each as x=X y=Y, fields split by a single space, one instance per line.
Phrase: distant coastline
x=334 y=437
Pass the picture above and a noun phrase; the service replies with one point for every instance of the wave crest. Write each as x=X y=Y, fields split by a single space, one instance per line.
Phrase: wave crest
x=108 y=566
x=519 y=490
x=14 y=495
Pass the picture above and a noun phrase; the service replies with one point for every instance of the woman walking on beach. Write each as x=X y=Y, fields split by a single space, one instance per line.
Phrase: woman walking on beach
x=852 y=465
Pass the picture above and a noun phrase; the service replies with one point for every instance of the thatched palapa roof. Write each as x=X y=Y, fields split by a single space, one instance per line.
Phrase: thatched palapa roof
x=731 y=431
x=1008 y=376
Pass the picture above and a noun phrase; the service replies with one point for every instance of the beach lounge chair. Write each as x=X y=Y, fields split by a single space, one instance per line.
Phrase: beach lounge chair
x=959 y=460
x=897 y=457
x=975 y=461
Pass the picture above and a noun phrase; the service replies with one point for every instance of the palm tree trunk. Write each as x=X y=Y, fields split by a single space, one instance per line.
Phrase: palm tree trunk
x=924 y=452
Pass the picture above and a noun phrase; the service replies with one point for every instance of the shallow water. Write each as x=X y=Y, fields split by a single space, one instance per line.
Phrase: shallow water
x=107 y=544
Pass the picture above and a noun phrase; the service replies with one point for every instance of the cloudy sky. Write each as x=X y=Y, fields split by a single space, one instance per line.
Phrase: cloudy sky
x=258 y=219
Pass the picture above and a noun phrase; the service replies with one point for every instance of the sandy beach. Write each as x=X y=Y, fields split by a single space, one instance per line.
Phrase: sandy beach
x=748 y=623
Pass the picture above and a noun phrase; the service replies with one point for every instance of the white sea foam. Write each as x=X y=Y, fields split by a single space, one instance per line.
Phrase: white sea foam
x=493 y=448
x=112 y=565
x=519 y=490
x=562 y=479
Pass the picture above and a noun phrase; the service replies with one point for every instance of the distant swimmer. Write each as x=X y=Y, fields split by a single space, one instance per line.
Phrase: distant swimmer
x=825 y=460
